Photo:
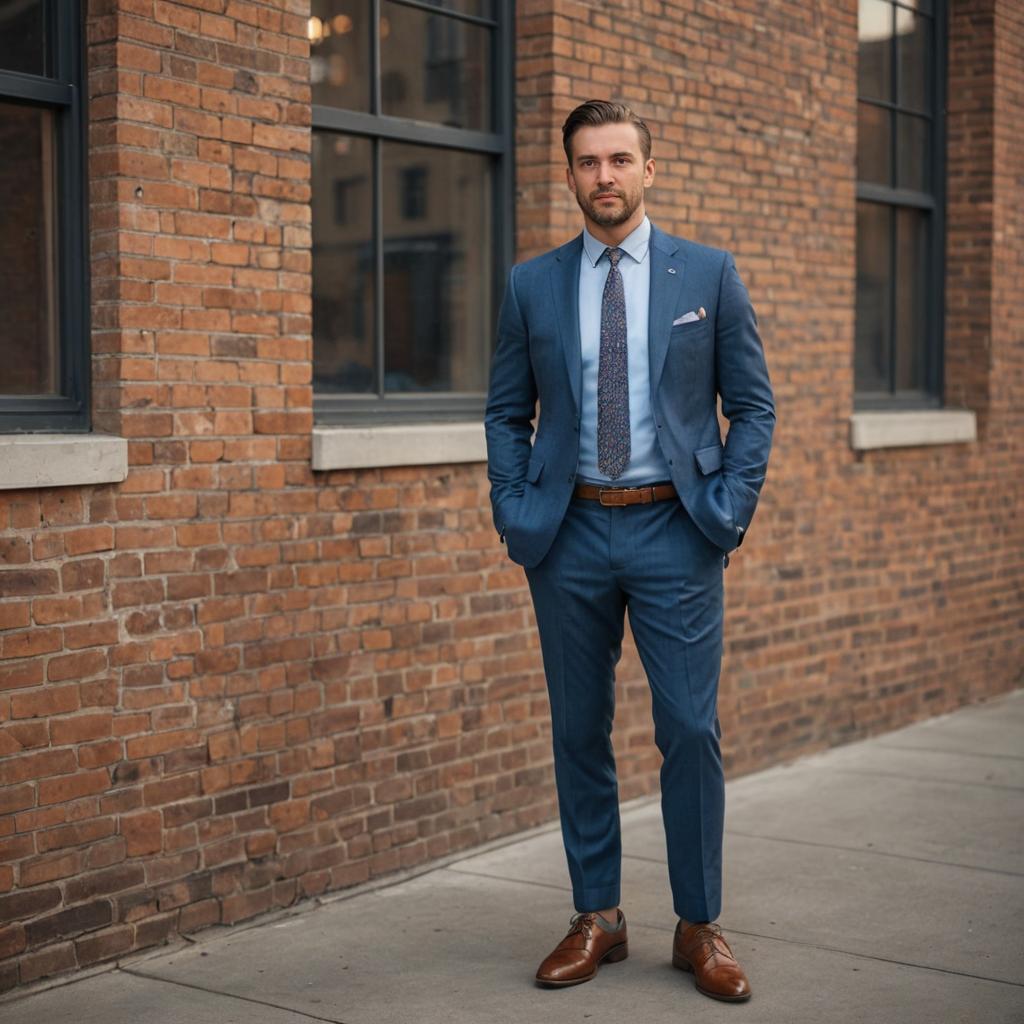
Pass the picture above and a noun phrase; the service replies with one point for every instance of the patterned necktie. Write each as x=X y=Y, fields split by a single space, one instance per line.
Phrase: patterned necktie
x=613 y=376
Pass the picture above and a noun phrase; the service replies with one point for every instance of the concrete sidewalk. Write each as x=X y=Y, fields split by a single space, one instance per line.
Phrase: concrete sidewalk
x=878 y=882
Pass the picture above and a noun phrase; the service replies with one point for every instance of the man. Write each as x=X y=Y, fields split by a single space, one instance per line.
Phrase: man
x=628 y=499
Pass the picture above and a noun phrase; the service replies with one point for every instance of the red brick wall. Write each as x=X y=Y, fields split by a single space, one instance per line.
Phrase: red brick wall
x=229 y=683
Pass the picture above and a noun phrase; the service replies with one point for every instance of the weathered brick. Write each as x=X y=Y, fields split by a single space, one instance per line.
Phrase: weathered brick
x=28 y=903
x=49 y=700
x=17 y=583
x=68 y=923
x=36 y=766
x=71 y=787
x=143 y=833
x=49 y=867
x=44 y=962
x=104 y=945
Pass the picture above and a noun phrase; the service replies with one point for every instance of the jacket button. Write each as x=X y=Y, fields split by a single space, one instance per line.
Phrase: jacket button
x=571 y=478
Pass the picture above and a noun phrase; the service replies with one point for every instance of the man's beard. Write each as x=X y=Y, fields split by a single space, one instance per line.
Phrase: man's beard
x=611 y=218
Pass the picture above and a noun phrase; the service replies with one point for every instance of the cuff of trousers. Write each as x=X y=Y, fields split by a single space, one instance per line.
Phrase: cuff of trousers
x=590 y=901
x=699 y=910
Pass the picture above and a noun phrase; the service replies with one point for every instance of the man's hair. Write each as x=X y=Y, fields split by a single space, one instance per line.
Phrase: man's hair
x=597 y=112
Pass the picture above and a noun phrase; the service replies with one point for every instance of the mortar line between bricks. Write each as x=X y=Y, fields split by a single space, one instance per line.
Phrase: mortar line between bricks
x=955 y=753
x=231 y=995
x=861 y=849
x=925 y=778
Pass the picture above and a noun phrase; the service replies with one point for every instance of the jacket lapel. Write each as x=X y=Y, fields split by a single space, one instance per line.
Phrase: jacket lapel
x=565 y=288
x=668 y=264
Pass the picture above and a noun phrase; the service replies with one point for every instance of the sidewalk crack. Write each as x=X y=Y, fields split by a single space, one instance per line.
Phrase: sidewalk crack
x=232 y=995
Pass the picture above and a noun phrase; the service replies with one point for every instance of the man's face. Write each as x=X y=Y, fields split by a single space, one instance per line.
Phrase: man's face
x=608 y=174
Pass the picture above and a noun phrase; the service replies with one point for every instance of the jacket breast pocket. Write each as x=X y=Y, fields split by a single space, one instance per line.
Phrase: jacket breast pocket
x=696 y=330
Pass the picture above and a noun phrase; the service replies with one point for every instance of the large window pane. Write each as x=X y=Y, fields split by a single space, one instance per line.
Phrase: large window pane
x=343 y=265
x=29 y=353
x=435 y=68
x=914 y=45
x=874 y=145
x=899 y=245
x=437 y=268
x=405 y=245
x=339 y=37
x=875 y=50
x=874 y=297
x=21 y=36
x=912 y=284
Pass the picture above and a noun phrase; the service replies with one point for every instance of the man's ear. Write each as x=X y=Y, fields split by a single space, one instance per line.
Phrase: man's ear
x=649 y=173
x=570 y=180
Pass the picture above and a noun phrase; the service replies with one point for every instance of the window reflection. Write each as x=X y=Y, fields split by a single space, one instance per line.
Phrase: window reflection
x=913 y=144
x=911 y=298
x=874 y=296
x=21 y=37
x=28 y=342
x=915 y=49
x=436 y=268
x=343 y=264
x=435 y=68
x=874 y=33
x=339 y=43
x=874 y=152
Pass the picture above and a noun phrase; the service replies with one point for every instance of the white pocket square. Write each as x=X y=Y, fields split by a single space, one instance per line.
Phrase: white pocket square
x=691 y=317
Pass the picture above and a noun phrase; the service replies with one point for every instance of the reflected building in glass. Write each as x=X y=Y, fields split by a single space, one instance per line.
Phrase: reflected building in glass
x=405 y=258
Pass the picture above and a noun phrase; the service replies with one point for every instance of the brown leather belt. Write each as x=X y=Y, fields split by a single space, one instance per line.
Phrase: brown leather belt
x=618 y=496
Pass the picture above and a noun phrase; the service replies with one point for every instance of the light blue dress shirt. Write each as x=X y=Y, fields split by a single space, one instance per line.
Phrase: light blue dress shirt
x=646 y=463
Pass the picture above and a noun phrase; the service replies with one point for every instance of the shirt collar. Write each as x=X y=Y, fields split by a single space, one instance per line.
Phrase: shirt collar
x=635 y=244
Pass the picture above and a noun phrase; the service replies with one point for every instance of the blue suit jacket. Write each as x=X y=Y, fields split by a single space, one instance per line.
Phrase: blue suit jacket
x=538 y=355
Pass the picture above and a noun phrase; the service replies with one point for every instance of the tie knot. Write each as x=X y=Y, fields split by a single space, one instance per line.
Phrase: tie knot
x=614 y=255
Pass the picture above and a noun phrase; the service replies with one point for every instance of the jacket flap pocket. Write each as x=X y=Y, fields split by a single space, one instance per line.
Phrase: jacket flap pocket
x=709 y=459
x=534 y=468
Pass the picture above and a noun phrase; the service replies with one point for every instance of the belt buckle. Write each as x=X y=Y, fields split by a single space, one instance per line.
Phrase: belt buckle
x=607 y=492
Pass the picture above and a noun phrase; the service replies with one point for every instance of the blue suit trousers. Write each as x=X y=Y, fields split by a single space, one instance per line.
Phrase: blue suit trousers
x=653 y=561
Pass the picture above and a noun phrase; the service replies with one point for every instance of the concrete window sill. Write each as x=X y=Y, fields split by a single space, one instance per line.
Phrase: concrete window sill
x=908 y=429
x=61 y=460
x=419 y=444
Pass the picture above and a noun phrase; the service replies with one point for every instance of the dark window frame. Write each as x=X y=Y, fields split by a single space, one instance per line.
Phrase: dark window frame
x=500 y=144
x=933 y=201
x=63 y=92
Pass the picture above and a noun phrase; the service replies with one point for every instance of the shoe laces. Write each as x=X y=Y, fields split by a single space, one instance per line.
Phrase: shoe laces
x=705 y=941
x=582 y=924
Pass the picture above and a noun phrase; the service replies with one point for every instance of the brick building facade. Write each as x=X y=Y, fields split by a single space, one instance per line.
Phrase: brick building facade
x=231 y=682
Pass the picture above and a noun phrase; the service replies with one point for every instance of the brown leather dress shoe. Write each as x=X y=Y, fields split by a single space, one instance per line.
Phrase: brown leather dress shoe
x=702 y=950
x=586 y=946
